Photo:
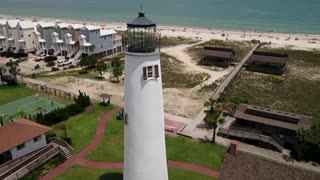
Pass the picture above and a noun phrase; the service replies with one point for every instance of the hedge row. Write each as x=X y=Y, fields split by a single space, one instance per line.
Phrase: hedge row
x=59 y=115
x=62 y=114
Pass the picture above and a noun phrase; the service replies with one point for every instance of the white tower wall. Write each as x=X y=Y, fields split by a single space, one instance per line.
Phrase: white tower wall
x=145 y=153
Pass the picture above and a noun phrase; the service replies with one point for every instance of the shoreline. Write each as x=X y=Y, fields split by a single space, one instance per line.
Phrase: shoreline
x=297 y=41
x=166 y=26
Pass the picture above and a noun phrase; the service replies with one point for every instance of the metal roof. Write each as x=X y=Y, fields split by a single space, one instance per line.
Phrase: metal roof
x=107 y=32
x=141 y=21
x=218 y=52
x=272 y=117
x=268 y=57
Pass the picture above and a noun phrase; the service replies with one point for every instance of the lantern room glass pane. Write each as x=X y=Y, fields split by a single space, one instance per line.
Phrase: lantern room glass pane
x=142 y=39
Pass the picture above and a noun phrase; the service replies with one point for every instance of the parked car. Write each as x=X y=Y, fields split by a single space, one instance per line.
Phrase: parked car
x=64 y=62
x=40 y=57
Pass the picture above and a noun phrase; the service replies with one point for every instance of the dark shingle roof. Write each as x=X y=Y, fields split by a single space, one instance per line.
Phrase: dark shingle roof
x=141 y=21
x=245 y=166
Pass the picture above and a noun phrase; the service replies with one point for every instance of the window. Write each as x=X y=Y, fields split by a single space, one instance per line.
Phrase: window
x=21 y=146
x=21 y=36
x=150 y=71
x=32 y=42
x=101 y=46
x=37 y=139
x=29 y=35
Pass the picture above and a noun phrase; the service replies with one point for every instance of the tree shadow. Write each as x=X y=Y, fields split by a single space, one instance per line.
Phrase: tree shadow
x=111 y=176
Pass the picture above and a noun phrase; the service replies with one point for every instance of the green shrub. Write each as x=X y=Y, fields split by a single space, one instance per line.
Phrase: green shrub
x=51 y=64
x=83 y=99
x=74 y=109
x=54 y=69
x=239 y=99
x=53 y=117
x=72 y=66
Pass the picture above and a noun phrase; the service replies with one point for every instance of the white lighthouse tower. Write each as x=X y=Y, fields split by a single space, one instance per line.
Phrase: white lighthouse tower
x=145 y=152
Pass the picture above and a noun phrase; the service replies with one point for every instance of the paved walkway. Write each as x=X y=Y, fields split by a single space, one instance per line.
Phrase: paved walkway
x=80 y=157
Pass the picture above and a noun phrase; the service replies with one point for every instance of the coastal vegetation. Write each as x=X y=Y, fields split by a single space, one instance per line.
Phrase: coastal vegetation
x=297 y=90
x=81 y=172
x=241 y=48
x=173 y=74
x=175 y=41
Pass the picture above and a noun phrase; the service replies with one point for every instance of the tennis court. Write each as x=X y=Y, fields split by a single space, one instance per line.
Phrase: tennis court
x=30 y=105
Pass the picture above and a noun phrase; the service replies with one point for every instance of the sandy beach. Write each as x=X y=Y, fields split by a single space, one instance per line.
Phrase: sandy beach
x=296 y=41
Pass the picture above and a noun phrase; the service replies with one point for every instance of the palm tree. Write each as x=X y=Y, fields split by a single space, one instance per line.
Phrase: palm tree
x=20 y=114
x=212 y=118
x=3 y=70
x=13 y=69
x=9 y=117
x=116 y=65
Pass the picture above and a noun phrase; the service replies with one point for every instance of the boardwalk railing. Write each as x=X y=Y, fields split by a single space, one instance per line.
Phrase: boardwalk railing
x=61 y=143
x=252 y=136
x=26 y=162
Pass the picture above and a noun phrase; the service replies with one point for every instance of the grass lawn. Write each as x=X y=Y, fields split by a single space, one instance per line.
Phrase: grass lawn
x=174 y=76
x=241 y=48
x=111 y=148
x=174 y=41
x=13 y=93
x=82 y=128
x=297 y=90
x=80 y=172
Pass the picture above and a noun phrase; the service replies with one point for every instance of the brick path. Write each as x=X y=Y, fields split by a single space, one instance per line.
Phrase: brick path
x=80 y=157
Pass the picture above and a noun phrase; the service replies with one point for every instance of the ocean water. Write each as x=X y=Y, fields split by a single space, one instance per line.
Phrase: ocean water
x=294 y=16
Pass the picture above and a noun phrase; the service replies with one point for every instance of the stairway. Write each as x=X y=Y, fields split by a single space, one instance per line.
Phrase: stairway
x=78 y=55
x=68 y=152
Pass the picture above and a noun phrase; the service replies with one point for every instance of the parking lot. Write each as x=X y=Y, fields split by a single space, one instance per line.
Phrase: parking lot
x=29 y=67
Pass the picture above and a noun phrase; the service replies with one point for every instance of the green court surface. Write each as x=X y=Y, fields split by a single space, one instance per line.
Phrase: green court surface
x=30 y=105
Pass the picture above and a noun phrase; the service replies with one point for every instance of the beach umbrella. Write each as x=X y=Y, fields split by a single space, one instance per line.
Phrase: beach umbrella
x=297 y=39
x=223 y=35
